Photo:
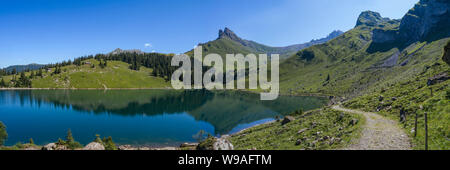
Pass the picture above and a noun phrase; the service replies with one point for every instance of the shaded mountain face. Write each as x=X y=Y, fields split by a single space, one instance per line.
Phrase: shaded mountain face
x=20 y=68
x=429 y=20
x=428 y=17
x=228 y=42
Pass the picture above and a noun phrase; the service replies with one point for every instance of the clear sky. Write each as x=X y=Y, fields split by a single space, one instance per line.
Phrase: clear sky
x=48 y=31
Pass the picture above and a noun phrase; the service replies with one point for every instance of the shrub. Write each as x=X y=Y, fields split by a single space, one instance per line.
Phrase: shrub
x=70 y=141
x=109 y=143
x=3 y=134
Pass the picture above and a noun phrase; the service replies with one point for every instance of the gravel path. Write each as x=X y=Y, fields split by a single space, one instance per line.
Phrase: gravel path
x=379 y=133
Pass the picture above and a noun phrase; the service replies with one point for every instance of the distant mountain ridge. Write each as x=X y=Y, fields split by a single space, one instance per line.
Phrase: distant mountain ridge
x=120 y=51
x=20 y=68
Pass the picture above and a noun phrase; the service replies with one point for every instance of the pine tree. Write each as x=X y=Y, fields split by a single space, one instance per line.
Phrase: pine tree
x=98 y=139
x=23 y=81
x=109 y=144
x=69 y=137
x=2 y=83
x=39 y=73
x=32 y=75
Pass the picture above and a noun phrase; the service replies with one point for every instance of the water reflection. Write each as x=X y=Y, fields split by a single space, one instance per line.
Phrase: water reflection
x=223 y=110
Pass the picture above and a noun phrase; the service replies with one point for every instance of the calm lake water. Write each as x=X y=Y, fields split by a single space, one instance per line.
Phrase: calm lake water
x=137 y=117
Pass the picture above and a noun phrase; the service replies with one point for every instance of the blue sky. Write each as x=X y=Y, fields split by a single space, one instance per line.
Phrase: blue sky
x=48 y=31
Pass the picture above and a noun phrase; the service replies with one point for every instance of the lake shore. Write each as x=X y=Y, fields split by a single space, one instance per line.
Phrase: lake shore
x=167 y=88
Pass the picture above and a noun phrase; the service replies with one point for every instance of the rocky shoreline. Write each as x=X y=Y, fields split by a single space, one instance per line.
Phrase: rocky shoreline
x=221 y=143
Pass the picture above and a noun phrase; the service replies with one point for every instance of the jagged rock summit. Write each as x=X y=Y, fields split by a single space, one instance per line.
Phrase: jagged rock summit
x=370 y=18
x=227 y=33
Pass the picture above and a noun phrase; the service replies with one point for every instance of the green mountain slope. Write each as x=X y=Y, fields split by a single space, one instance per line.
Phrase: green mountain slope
x=115 y=75
x=363 y=59
x=228 y=43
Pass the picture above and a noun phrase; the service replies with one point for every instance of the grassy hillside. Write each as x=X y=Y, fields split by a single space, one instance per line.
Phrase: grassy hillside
x=116 y=75
x=349 y=66
x=320 y=129
x=415 y=97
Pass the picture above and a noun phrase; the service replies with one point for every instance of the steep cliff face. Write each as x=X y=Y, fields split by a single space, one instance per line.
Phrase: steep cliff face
x=383 y=36
x=428 y=17
x=428 y=20
x=446 y=56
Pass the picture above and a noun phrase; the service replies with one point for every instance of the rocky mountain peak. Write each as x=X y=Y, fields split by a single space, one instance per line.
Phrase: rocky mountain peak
x=227 y=33
x=370 y=18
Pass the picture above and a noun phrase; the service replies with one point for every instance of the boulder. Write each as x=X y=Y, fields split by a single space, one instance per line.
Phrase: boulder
x=61 y=147
x=94 y=146
x=50 y=146
x=186 y=145
x=302 y=130
x=380 y=98
x=353 y=122
x=54 y=146
x=287 y=119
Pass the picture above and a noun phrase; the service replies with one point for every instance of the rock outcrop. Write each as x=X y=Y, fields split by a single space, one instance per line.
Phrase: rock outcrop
x=223 y=143
x=287 y=119
x=438 y=79
x=94 y=146
x=54 y=146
